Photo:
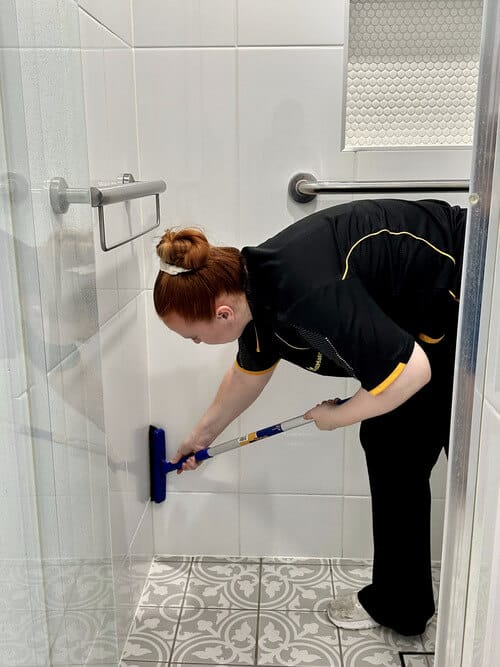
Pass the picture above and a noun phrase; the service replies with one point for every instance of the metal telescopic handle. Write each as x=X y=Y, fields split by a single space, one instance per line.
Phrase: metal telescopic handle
x=305 y=187
x=249 y=438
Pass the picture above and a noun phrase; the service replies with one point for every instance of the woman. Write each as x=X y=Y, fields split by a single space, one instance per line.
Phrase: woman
x=366 y=289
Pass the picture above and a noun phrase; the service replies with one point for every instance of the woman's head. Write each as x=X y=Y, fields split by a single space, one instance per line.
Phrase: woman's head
x=210 y=276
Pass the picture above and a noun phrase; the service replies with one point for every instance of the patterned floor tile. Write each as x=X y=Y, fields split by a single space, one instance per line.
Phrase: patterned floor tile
x=350 y=577
x=303 y=560
x=296 y=586
x=377 y=646
x=436 y=576
x=225 y=559
x=152 y=634
x=77 y=635
x=166 y=584
x=224 y=585
x=93 y=587
x=429 y=636
x=216 y=636
x=297 y=638
x=415 y=661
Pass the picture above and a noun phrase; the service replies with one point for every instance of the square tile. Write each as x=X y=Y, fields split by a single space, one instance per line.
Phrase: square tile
x=167 y=558
x=415 y=660
x=297 y=638
x=220 y=636
x=166 y=584
x=351 y=577
x=429 y=636
x=223 y=585
x=377 y=646
x=294 y=560
x=296 y=586
x=183 y=22
x=152 y=634
x=271 y=22
x=225 y=559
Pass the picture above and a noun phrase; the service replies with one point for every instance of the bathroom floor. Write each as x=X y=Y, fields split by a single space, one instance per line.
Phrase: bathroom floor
x=270 y=611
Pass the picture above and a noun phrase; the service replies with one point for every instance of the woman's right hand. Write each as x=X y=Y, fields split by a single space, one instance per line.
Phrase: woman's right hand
x=193 y=443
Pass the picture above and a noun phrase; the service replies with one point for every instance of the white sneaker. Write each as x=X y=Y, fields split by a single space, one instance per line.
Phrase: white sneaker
x=346 y=612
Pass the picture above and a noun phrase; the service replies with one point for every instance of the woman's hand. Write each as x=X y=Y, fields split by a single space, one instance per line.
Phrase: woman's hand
x=193 y=443
x=323 y=415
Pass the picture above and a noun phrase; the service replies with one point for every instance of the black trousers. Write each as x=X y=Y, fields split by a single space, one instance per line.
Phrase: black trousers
x=401 y=448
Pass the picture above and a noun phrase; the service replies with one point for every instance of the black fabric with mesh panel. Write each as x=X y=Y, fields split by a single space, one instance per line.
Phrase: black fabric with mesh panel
x=347 y=290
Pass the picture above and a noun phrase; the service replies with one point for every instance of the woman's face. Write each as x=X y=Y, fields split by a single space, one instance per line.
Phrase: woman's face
x=223 y=328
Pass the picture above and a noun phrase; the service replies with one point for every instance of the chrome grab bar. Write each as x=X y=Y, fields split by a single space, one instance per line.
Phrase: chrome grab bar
x=305 y=187
x=61 y=196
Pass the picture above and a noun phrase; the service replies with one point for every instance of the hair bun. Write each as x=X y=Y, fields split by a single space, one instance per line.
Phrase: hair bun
x=187 y=248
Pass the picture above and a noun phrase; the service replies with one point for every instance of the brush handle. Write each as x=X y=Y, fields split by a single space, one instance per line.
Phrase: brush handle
x=200 y=455
x=268 y=431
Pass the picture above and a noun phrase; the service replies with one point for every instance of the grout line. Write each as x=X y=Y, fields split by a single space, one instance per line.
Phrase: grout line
x=103 y=25
x=226 y=47
x=181 y=609
x=257 y=625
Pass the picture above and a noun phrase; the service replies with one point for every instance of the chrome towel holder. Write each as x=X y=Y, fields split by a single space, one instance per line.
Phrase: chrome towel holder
x=61 y=196
x=305 y=187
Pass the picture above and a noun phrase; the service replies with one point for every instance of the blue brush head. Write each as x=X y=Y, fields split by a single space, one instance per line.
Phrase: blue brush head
x=157 y=454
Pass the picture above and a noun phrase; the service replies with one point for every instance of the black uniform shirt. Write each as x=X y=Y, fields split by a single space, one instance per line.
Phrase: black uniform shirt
x=346 y=291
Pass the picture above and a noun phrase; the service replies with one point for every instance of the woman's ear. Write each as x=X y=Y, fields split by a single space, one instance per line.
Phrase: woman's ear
x=224 y=312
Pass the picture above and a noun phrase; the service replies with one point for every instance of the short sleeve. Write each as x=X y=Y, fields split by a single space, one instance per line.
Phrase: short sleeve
x=256 y=353
x=348 y=325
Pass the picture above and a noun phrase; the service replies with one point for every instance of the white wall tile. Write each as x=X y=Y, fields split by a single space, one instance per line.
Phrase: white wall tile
x=492 y=384
x=93 y=35
x=278 y=525
x=284 y=463
x=426 y=165
x=187 y=137
x=438 y=477
x=116 y=15
x=126 y=512
x=437 y=519
x=45 y=24
x=302 y=461
x=184 y=379
x=184 y=22
x=125 y=389
x=135 y=407
x=274 y=22
x=290 y=110
x=197 y=523
x=357 y=535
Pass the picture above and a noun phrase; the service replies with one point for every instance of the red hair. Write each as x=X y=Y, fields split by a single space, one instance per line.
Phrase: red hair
x=213 y=270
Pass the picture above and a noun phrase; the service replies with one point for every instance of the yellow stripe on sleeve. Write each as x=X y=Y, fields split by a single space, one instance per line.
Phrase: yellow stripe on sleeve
x=244 y=370
x=428 y=339
x=388 y=380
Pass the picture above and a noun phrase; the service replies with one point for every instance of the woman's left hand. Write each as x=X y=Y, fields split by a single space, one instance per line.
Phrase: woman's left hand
x=323 y=415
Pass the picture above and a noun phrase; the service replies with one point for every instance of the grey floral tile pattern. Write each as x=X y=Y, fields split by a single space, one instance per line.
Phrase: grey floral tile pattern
x=350 y=576
x=225 y=559
x=429 y=636
x=152 y=634
x=296 y=586
x=228 y=611
x=227 y=585
x=303 y=560
x=376 y=646
x=416 y=661
x=297 y=638
x=216 y=636
x=166 y=584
